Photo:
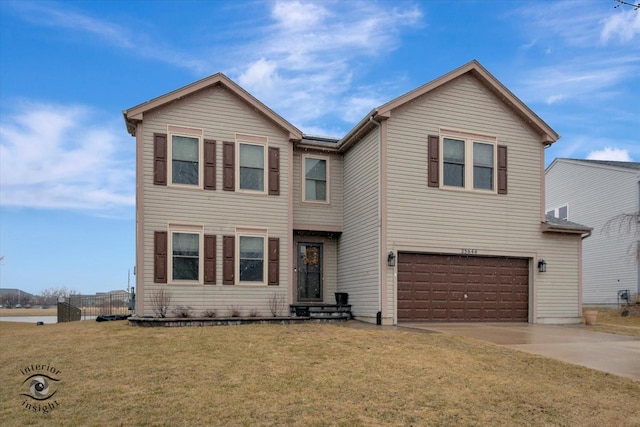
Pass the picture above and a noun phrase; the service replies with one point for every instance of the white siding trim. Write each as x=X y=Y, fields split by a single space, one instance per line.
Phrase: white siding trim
x=252 y=232
x=257 y=140
x=173 y=130
x=327 y=160
x=190 y=229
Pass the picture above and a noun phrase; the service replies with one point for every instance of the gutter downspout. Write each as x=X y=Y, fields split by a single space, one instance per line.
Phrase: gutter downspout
x=374 y=122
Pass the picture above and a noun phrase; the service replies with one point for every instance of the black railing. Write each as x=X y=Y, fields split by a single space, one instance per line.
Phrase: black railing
x=92 y=306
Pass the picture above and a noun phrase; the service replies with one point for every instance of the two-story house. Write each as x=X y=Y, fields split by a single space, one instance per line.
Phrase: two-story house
x=430 y=209
x=598 y=193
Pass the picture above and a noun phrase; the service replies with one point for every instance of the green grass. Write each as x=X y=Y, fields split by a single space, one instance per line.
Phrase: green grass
x=308 y=375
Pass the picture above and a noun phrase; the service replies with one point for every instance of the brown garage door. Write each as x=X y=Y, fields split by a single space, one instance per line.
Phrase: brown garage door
x=450 y=288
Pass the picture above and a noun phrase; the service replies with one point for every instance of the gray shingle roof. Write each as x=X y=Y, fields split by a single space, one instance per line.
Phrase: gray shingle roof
x=628 y=165
x=563 y=223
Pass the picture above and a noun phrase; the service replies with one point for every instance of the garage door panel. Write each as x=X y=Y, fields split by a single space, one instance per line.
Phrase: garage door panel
x=433 y=288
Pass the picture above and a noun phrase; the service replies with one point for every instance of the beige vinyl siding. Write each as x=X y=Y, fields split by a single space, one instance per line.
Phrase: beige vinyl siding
x=220 y=114
x=318 y=214
x=358 y=247
x=595 y=194
x=555 y=299
x=424 y=219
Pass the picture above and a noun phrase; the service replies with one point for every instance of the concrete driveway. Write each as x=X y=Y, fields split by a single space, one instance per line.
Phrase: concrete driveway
x=615 y=354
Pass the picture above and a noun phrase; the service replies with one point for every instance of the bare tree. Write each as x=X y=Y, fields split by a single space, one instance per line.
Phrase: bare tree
x=626 y=224
x=50 y=296
x=160 y=301
x=635 y=6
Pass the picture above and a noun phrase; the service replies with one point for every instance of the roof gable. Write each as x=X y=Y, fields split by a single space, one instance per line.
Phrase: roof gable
x=547 y=135
x=134 y=115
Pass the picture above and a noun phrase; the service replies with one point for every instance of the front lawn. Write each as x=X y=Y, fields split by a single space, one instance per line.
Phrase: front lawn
x=311 y=374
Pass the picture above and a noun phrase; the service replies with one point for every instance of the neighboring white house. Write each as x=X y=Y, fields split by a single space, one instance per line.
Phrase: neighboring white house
x=593 y=192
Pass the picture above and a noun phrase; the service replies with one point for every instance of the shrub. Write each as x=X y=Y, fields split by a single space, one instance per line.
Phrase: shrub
x=182 y=311
x=276 y=304
x=209 y=313
x=160 y=300
x=234 y=311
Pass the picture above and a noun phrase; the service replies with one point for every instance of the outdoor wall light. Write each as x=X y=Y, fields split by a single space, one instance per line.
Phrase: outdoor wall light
x=391 y=259
x=542 y=266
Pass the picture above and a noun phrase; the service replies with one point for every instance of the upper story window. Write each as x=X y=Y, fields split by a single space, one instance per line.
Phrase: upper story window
x=561 y=212
x=185 y=160
x=469 y=161
x=252 y=173
x=185 y=151
x=316 y=179
x=251 y=167
x=483 y=166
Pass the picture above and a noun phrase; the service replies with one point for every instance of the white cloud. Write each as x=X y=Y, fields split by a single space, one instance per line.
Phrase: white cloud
x=55 y=156
x=625 y=25
x=552 y=99
x=584 y=78
x=610 y=153
x=307 y=57
x=137 y=42
x=574 y=21
x=301 y=62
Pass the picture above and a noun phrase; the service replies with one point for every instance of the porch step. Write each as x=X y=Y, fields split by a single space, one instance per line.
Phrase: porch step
x=321 y=311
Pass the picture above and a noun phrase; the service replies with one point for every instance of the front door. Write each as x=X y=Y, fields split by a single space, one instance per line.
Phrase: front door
x=310 y=272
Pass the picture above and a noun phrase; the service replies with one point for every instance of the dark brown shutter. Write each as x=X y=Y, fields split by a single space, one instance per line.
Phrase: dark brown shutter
x=434 y=161
x=160 y=158
x=228 y=260
x=274 y=171
x=274 y=261
x=502 y=169
x=210 y=259
x=228 y=166
x=160 y=257
x=209 y=164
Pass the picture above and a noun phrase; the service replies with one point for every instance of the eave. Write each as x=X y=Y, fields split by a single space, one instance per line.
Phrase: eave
x=567 y=229
x=547 y=135
x=135 y=115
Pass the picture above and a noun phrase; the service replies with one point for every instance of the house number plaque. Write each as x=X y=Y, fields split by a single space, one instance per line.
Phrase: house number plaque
x=469 y=251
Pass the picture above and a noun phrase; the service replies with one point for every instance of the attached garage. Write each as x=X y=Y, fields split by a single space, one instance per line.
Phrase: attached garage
x=455 y=288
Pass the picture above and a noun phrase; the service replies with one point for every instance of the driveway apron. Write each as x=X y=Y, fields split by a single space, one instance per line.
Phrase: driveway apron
x=615 y=354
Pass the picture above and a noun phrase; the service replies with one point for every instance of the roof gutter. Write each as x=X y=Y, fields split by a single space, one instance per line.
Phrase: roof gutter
x=350 y=138
x=549 y=228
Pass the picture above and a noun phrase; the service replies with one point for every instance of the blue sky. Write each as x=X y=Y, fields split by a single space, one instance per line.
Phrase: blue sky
x=69 y=68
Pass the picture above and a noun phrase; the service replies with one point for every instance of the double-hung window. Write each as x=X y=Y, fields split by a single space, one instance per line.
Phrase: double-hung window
x=251 y=258
x=561 y=212
x=185 y=249
x=316 y=179
x=251 y=162
x=469 y=161
x=185 y=148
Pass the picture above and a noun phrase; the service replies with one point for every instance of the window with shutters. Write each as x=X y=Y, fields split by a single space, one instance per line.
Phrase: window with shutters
x=315 y=182
x=185 y=154
x=251 y=252
x=186 y=246
x=251 y=156
x=468 y=161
